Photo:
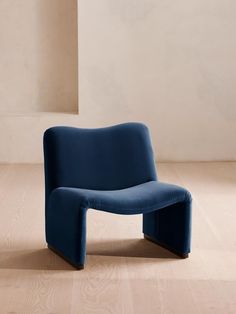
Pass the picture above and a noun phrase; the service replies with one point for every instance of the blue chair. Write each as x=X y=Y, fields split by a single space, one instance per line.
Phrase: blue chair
x=110 y=169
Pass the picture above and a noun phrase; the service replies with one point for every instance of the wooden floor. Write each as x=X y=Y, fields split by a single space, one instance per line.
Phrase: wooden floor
x=124 y=273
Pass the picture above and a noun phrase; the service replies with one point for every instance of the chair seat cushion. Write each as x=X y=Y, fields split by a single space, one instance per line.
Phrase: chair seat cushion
x=142 y=198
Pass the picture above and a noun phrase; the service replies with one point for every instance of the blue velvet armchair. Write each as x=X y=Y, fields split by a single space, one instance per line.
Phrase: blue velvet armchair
x=110 y=169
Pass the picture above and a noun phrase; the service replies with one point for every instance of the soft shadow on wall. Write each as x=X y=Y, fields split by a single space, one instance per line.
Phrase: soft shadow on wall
x=58 y=65
x=38 y=56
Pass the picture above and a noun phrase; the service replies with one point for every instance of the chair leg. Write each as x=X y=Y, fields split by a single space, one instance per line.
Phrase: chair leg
x=170 y=227
x=181 y=255
x=66 y=233
x=77 y=266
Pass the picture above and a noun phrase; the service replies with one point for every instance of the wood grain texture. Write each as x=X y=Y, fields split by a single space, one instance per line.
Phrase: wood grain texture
x=124 y=273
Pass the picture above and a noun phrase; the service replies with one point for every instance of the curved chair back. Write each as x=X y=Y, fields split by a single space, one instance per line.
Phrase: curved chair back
x=107 y=158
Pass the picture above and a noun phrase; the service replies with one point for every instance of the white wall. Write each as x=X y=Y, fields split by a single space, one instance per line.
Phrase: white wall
x=170 y=64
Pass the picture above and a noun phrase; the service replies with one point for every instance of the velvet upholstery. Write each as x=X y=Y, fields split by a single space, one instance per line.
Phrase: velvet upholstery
x=110 y=169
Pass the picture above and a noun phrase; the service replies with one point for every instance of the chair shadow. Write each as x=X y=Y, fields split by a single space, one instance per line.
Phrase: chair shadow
x=45 y=259
x=128 y=248
x=37 y=259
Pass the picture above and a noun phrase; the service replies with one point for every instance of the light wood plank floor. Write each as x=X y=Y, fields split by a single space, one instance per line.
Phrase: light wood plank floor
x=124 y=273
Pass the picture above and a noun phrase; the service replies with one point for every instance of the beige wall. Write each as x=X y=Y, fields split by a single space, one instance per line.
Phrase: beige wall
x=170 y=64
x=38 y=56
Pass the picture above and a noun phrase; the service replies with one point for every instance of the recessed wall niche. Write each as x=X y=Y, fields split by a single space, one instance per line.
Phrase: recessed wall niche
x=38 y=56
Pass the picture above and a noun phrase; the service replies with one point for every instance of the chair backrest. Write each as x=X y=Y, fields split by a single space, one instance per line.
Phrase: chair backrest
x=107 y=158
